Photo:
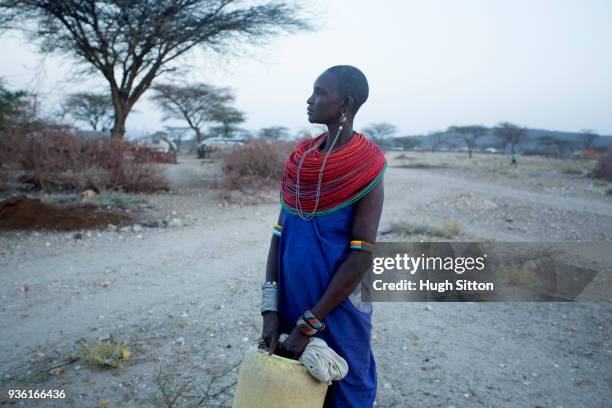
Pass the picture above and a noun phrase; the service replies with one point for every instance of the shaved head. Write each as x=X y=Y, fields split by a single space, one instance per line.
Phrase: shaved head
x=351 y=82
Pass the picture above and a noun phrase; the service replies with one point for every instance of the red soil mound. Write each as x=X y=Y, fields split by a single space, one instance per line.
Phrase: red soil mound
x=22 y=212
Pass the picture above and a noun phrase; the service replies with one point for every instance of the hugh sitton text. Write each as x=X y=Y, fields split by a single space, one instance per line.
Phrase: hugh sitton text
x=427 y=285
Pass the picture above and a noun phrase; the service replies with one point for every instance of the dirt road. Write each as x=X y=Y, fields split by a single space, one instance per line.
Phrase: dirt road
x=186 y=301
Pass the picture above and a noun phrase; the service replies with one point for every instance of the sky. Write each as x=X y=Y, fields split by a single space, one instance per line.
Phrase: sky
x=543 y=64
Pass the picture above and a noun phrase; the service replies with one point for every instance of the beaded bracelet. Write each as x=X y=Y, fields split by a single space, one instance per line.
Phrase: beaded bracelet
x=305 y=328
x=277 y=230
x=312 y=321
x=362 y=245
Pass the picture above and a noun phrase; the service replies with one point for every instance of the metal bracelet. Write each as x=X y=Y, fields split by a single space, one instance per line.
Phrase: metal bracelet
x=269 y=297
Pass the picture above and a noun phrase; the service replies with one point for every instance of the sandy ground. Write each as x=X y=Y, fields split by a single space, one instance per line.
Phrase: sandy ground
x=185 y=298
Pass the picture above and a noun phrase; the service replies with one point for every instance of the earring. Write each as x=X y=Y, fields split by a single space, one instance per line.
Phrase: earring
x=342 y=117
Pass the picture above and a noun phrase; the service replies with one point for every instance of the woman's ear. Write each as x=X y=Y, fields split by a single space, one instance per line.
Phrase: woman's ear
x=348 y=102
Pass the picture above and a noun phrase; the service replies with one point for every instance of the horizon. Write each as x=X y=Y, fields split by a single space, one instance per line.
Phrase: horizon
x=542 y=66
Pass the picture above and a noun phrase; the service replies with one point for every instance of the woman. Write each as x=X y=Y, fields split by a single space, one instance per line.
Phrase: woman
x=331 y=202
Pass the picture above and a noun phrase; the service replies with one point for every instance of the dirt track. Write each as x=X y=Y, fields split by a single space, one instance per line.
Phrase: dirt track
x=186 y=299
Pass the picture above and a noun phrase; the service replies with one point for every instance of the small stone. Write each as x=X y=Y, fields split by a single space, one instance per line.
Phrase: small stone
x=78 y=235
x=88 y=194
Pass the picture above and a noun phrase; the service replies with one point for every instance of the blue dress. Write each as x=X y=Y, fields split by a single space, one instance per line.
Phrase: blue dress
x=310 y=252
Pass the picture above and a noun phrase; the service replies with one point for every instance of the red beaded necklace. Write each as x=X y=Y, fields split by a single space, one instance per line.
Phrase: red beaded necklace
x=329 y=181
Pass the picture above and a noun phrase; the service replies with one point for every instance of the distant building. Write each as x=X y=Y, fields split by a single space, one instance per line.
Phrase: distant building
x=158 y=141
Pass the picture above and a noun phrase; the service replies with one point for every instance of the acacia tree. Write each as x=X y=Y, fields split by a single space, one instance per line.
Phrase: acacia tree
x=509 y=134
x=380 y=131
x=587 y=138
x=408 y=142
x=556 y=146
x=197 y=104
x=13 y=106
x=274 y=133
x=228 y=118
x=469 y=134
x=92 y=108
x=437 y=140
x=132 y=42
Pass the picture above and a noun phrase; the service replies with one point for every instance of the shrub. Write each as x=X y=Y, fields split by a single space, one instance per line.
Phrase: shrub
x=447 y=229
x=603 y=170
x=256 y=165
x=103 y=354
x=56 y=159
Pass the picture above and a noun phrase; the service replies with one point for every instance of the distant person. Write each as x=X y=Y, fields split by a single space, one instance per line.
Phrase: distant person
x=514 y=159
x=331 y=202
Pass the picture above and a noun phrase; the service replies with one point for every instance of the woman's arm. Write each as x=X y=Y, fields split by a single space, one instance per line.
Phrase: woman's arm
x=271 y=272
x=365 y=227
x=269 y=333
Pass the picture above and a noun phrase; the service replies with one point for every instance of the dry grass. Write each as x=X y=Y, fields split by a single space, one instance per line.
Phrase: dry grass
x=573 y=171
x=447 y=229
x=516 y=274
x=496 y=163
x=412 y=162
x=522 y=268
x=452 y=228
x=600 y=183
x=103 y=354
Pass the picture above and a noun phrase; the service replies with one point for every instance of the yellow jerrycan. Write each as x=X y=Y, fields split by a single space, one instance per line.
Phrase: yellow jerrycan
x=273 y=381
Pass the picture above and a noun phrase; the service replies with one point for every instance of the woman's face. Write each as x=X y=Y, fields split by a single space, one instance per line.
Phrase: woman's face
x=325 y=102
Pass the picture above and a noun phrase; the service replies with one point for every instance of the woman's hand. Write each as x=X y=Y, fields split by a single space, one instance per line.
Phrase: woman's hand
x=294 y=345
x=269 y=333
